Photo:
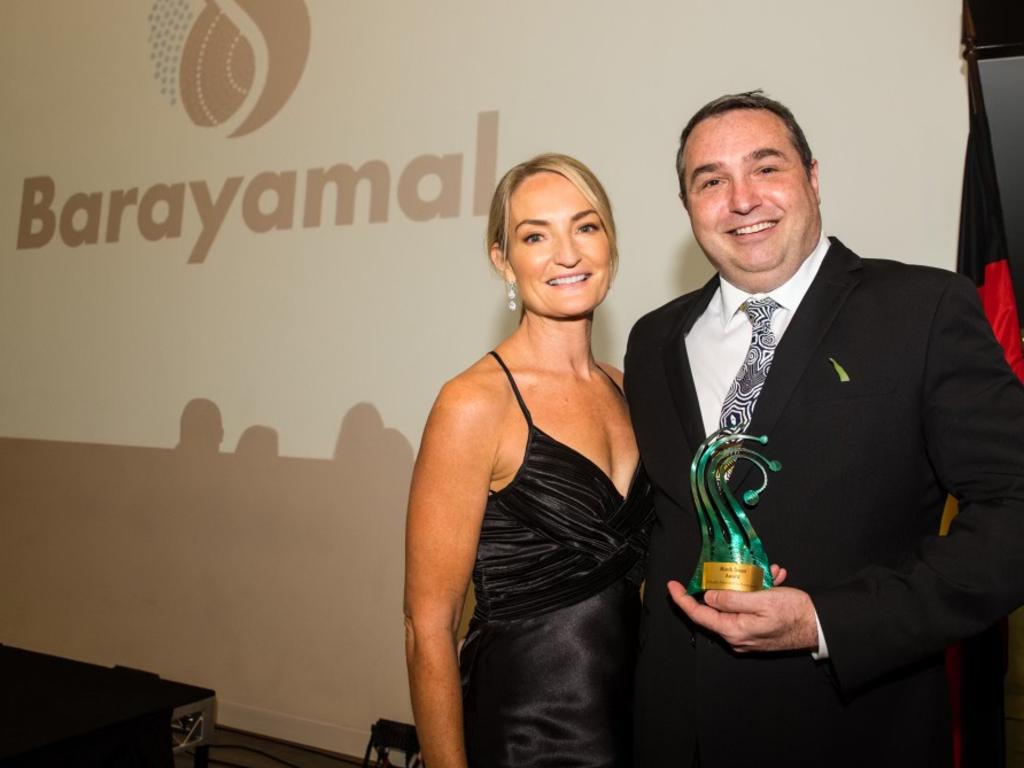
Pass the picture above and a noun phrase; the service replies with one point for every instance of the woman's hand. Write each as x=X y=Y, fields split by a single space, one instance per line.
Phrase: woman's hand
x=779 y=574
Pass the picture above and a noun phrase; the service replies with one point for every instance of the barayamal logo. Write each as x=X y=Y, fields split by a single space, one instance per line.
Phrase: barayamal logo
x=269 y=200
x=234 y=65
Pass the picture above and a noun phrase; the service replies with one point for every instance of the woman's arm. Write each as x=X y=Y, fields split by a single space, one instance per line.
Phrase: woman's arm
x=446 y=506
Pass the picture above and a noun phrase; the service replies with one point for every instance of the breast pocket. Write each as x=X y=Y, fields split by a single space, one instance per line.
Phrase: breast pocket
x=835 y=389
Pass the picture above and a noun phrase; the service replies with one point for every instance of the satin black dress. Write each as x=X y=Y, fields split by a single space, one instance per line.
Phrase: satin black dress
x=547 y=665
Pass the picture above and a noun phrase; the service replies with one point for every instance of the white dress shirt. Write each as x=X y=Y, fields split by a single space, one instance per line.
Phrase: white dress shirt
x=719 y=339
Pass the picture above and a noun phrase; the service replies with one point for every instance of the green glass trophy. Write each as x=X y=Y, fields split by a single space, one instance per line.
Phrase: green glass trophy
x=731 y=556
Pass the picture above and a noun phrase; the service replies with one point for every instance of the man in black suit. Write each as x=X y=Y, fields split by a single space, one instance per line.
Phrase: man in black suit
x=884 y=391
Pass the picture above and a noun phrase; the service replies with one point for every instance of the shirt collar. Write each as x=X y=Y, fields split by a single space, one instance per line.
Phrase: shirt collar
x=788 y=295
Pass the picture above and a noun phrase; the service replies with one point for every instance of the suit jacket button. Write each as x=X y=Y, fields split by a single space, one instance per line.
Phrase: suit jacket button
x=693 y=641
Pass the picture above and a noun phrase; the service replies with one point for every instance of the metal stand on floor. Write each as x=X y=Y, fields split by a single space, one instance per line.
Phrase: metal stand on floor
x=192 y=728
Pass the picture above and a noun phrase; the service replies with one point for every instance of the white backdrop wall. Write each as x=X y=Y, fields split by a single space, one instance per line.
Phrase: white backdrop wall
x=320 y=347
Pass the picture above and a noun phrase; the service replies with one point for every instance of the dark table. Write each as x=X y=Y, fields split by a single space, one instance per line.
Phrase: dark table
x=59 y=712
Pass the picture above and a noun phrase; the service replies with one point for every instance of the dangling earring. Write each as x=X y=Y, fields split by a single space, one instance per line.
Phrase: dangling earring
x=511 y=297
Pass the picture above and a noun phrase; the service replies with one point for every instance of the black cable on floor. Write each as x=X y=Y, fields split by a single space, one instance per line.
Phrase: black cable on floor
x=260 y=752
x=291 y=745
x=214 y=761
x=267 y=755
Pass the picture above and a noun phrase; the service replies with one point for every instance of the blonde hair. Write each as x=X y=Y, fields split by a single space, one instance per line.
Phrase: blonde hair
x=575 y=172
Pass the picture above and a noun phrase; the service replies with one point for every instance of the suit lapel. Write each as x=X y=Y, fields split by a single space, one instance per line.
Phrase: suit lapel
x=839 y=273
x=682 y=389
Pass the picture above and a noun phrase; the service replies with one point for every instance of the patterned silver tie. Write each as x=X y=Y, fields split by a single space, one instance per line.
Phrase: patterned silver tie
x=738 y=405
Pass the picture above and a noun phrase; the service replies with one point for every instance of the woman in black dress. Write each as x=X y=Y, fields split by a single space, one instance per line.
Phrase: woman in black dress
x=528 y=481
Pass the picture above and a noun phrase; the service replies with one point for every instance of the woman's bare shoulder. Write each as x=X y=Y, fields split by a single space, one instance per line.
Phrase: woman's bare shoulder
x=477 y=396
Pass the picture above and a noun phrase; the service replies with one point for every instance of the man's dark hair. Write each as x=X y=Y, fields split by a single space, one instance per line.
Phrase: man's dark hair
x=750 y=100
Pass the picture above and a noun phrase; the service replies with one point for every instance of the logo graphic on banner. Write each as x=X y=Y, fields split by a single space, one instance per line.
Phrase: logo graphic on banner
x=223 y=75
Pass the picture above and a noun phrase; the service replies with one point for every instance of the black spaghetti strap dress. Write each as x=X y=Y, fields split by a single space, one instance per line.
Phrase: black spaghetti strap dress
x=547 y=665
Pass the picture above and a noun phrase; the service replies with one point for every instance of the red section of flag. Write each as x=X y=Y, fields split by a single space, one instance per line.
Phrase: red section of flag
x=996 y=292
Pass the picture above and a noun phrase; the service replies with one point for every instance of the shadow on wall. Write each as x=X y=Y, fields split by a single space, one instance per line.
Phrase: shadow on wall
x=275 y=580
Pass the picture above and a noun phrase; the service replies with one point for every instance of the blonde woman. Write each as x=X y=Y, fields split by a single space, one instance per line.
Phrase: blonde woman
x=528 y=481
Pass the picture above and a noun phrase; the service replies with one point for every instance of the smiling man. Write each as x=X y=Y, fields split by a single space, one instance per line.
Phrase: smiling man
x=881 y=390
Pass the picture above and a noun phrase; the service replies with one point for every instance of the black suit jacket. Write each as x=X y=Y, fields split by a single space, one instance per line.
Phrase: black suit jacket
x=930 y=408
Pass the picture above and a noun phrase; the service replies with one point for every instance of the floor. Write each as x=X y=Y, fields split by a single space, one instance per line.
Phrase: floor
x=235 y=748
x=1014 y=743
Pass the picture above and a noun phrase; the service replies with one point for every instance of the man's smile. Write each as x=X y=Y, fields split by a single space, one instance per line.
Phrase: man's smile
x=751 y=229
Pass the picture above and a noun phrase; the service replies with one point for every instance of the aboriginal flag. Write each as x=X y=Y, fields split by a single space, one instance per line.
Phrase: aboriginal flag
x=983 y=254
x=976 y=668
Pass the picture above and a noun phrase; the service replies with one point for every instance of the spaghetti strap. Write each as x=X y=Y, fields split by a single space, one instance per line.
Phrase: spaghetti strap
x=515 y=389
x=609 y=377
